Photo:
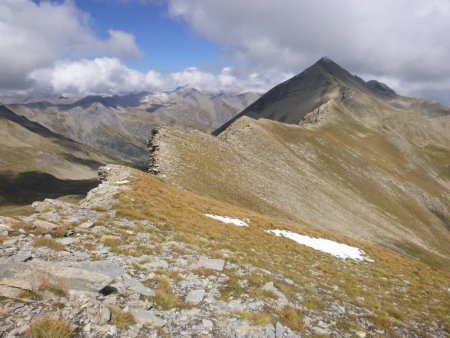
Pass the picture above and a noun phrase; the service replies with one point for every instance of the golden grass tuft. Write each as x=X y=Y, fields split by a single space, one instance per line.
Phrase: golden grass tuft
x=165 y=298
x=47 y=327
x=120 y=318
x=291 y=318
x=48 y=243
x=257 y=318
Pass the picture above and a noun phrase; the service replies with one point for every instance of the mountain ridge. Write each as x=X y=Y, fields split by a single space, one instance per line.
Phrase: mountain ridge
x=355 y=161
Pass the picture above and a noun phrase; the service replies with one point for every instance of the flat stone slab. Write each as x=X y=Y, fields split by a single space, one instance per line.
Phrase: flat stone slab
x=282 y=300
x=138 y=287
x=68 y=277
x=17 y=275
x=45 y=225
x=145 y=317
x=104 y=267
x=157 y=264
x=195 y=296
x=214 y=264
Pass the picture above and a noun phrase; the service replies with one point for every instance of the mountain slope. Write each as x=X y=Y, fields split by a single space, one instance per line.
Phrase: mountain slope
x=153 y=262
x=36 y=162
x=291 y=100
x=120 y=125
x=327 y=149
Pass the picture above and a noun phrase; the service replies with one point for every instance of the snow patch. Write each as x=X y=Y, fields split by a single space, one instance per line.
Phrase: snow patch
x=325 y=245
x=122 y=182
x=225 y=219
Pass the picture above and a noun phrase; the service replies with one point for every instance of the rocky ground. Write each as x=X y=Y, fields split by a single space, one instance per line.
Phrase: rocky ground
x=103 y=275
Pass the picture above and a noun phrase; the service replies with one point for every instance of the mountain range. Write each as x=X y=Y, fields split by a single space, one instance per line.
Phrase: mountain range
x=331 y=150
x=321 y=209
x=120 y=125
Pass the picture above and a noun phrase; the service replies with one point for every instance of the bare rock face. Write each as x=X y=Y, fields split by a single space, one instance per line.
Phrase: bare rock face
x=316 y=116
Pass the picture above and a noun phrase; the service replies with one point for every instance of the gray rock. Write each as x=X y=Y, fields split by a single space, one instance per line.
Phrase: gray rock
x=282 y=300
x=16 y=275
x=65 y=240
x=270 y=331
x=145 y=317
x=214 y=264
x=279 y=330
x=45 y=225
x=86 y=225
x=105 y=315
x=68 y=278
x=3 y=230
x=157 y=264
x=207 y=324
x=195 y=296
x=138 y=287
x=9 y=292
x=10 y=242
x=104 y=267
x=22 y=256
x=320 y=330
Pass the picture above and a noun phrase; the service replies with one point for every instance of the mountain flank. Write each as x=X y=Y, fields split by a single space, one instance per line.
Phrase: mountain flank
x=37 y=162
x=327 y=149
x=120 y=125
x=140 y=257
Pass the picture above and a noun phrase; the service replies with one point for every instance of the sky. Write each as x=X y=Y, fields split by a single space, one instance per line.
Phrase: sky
x=79 y=47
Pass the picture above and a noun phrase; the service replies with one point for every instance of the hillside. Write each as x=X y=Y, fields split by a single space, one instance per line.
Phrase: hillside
x=327 y=149
x=140 y=257
x=120 y=125
x=37 y=163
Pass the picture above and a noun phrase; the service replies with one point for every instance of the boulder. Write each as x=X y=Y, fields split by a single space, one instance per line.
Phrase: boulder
x=145 y=317
x=68 y=277
x=213 y=264
x=14 y=274
x=195 y=296
x=138 y=287
x=104 y=267
x=45 y=225
x=282 y=300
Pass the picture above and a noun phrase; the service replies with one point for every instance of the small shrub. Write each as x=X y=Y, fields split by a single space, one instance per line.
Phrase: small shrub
x=49 y=328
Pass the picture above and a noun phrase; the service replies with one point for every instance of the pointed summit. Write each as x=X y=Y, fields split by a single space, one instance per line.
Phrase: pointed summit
x=291 y=100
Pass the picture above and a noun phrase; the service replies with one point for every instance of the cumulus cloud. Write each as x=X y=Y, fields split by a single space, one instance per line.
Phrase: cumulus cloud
x=97 y=76
x=110 y=76
x=406 y=40
x=36 y=35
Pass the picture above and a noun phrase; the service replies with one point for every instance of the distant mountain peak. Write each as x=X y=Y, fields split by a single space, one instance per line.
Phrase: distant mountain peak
x=291 y=100
x=326 y=61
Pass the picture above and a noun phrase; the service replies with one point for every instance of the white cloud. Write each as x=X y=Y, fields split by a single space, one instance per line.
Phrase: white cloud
x=97 y=76
x=36 y=35
x=110 y=75
x=406 y=40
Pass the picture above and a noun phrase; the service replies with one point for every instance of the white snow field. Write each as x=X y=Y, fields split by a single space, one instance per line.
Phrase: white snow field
x=325 y=245
x=229 y=220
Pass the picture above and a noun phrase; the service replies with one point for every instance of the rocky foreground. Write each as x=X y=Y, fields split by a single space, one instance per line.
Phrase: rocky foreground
x=73 y=269
x=62 y=272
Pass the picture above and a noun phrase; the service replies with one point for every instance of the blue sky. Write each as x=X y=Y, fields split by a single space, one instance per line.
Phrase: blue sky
x=79 y=47
x=167 y=44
